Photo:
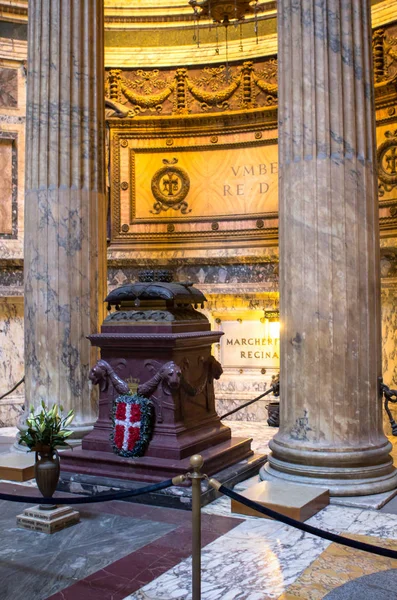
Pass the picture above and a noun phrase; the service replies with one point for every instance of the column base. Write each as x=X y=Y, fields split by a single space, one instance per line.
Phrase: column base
x=340 y=481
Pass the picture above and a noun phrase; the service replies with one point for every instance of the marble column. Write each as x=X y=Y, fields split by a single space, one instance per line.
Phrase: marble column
x=65 y=236
x=331 y=413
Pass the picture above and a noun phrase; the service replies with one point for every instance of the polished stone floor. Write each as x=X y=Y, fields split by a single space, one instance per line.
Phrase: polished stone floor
x=115 y=550
x=125 y=551
x=45 y=564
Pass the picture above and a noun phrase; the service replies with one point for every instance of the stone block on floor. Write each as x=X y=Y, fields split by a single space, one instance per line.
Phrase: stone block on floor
x=299 y=502
x=17 y=466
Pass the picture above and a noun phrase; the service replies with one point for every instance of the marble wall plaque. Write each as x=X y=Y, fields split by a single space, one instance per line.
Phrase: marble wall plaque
x=249 y=344
x=6 y=185
x=8 y=88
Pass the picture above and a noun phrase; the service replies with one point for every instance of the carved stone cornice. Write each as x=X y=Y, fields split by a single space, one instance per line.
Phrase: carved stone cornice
x=388 y=283
x=199 y=124
x=15 y=11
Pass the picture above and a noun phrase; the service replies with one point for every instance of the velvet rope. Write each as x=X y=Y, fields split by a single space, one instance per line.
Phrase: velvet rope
x=88 y=499
x=332 y=537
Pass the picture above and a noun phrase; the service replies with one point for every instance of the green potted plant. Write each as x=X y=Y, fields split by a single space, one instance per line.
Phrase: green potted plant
x=47 y=431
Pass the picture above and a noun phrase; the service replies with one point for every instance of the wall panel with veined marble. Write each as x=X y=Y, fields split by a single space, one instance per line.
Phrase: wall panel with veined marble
x=12 y=157
x=11 y=359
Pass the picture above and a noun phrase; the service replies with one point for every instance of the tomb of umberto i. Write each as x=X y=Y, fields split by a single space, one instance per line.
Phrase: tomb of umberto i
x=191 y=179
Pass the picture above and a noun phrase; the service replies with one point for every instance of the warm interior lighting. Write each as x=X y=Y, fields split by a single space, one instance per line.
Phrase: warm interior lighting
x=272 y=317
x=225 y=12
x=274 y=329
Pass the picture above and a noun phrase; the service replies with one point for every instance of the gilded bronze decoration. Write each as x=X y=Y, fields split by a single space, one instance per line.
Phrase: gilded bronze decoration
x=387 y=163
x=379 y=57
x=184 y=91
x=385 y=56
x=390 y=47
x=148 y=90
x=170 y=186
x=181 y=92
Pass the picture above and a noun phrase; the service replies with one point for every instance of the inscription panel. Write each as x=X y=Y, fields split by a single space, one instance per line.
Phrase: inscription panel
x=249 y=344
x=237 y=181
x=195 y=180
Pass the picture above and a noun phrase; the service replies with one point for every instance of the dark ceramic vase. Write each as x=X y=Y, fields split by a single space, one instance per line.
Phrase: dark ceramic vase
x=46 y=470
x=273 y=411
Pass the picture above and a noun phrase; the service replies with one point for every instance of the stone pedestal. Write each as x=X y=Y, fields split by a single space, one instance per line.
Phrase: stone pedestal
x=161 y=347
x=331 y=431
x=185 y=425
x=65 y=235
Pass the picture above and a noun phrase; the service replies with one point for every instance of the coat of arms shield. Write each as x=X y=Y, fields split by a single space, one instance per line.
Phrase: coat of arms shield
x=132 y=418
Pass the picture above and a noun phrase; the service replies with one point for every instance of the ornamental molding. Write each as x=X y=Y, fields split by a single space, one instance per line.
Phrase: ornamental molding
x=183 y=92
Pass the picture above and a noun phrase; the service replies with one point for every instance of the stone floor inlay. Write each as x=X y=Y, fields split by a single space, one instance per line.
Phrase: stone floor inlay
x=337 y=574
x=35 y=565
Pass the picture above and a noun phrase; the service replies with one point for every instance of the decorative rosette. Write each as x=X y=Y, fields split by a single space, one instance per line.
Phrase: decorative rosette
x=132 y=418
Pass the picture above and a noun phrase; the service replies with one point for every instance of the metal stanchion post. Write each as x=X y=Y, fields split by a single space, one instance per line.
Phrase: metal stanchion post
x=196 y=477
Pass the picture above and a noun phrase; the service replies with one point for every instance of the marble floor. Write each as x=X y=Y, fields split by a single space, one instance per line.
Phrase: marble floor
x=125 y=551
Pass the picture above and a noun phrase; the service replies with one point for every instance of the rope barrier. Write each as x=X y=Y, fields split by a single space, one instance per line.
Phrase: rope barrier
x=332 y=537
x=13 y=388
x=231 y=412
x=88 y=499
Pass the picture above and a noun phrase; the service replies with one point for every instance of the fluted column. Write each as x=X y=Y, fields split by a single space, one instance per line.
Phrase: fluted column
x=65 y=202
x=331 y=413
